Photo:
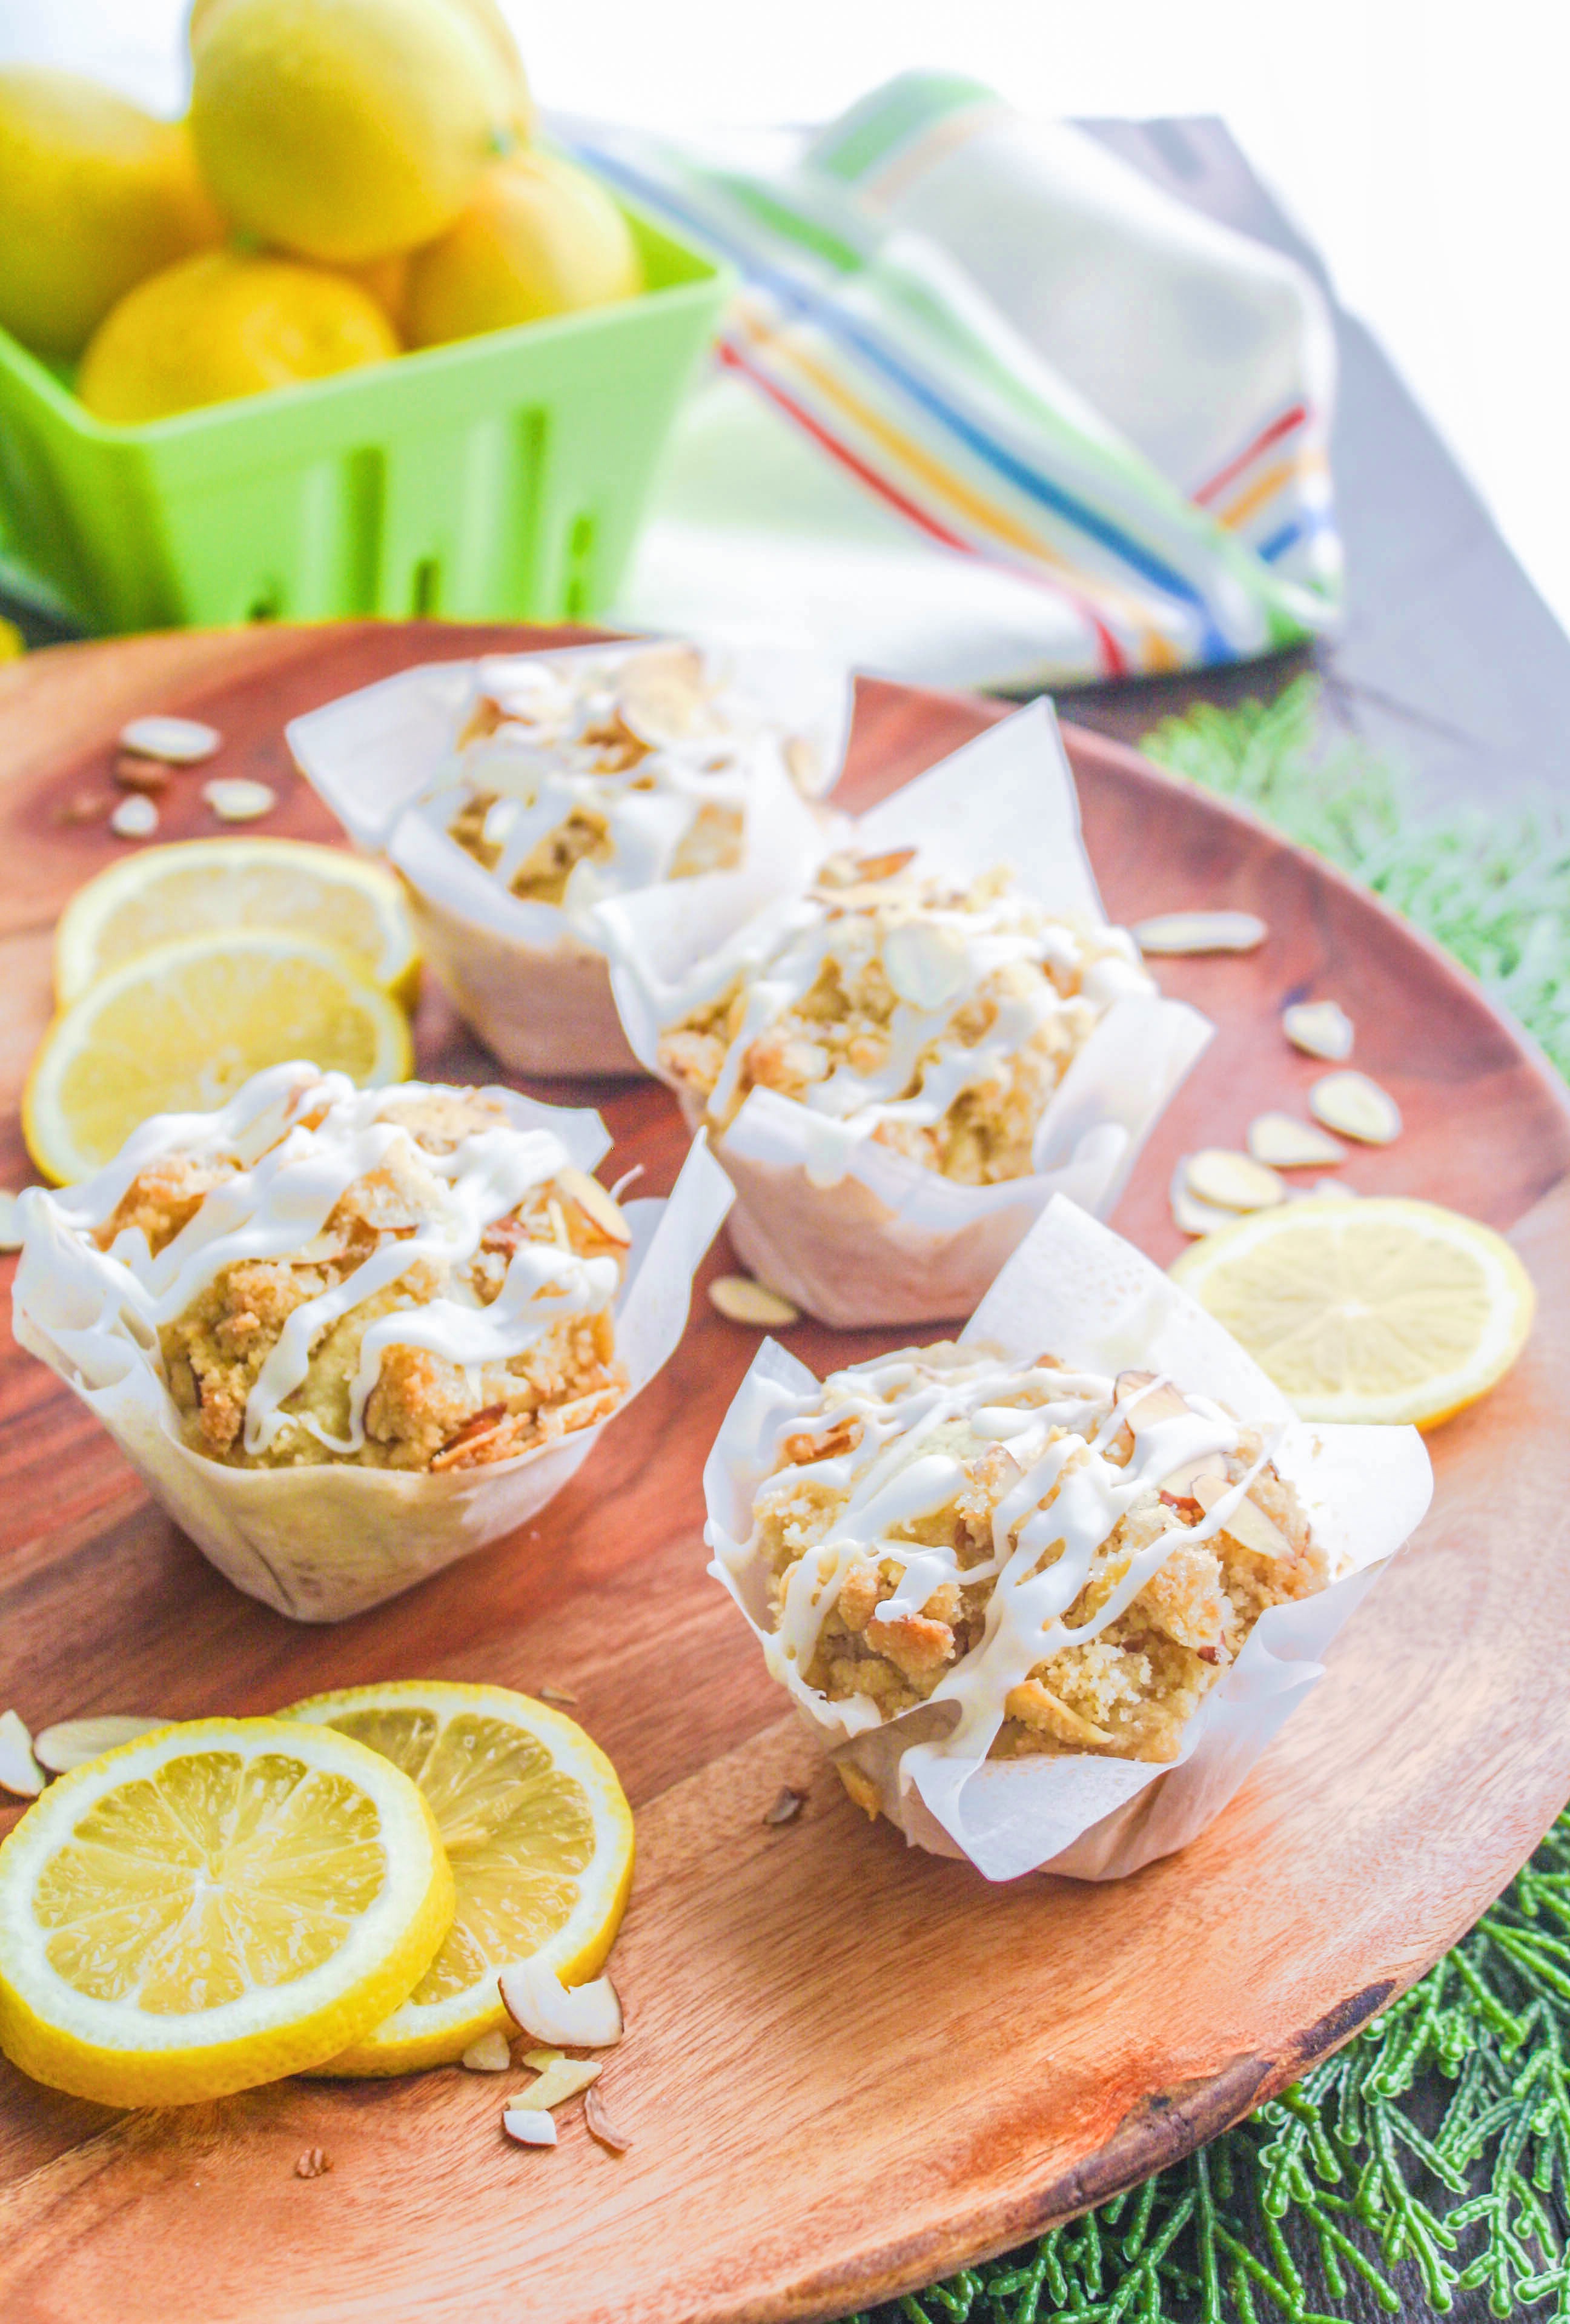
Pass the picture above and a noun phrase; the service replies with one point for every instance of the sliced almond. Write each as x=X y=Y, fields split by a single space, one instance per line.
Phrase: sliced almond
x=1248 y=1523
x=786 y=1807
x=530 y=2125
x=1148 y=1404
x=19 y=1770
x=579 y=2017
x=1357 y=1107
x=1187 y=932
x=235 y=798
x=541 y=2058
x=72 y=1742
x=598 y=2125
x=928 y=964
x=1193 y=1216
x=177 y=742
x=661 y=694
x=489 y=2055
x=605 y=1215
x=561 y=1694
x=314 y=2164
x=136 y=818
x=1233 y=1182
x=740 y=1300
x=1285 y=1143
x=560 y=2081
x=1320 y=1029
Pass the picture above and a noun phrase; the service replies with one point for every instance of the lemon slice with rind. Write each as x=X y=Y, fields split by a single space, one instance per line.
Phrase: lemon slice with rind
x=159 y=894
x=1380 y=1310
x=179 y=1029
x=212 y=1906
x=539 y=1834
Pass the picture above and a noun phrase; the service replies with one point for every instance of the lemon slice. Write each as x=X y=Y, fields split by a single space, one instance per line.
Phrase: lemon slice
x=181 y=1028
x=1380 y=1310
x=213 y=1906
x=539 y=1834
x=161 y=893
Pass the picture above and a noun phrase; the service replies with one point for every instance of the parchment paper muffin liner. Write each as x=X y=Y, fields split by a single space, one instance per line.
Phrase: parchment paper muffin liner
x=890 y=1241
x=1078 y=1292
x=323 y=1542
x=530 y=978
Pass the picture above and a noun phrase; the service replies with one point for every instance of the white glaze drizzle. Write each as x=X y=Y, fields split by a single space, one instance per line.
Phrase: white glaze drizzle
x=952 y=949
x=902 y=1469
x=544 y=767
x=277 y=1204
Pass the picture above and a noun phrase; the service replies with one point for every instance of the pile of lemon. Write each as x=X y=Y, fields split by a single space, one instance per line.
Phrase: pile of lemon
x=334 y=1890
x=355 y=177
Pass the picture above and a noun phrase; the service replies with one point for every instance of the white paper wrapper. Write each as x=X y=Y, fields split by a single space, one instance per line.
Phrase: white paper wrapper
x=1079 y=1291
x=327 y=1541
x=528 y=978
x=892 y=1242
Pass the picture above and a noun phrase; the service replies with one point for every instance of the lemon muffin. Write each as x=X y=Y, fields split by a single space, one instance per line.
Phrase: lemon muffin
x=1072 y=1561
x=397 y=1278
x=581 y=776
x=935 y=1016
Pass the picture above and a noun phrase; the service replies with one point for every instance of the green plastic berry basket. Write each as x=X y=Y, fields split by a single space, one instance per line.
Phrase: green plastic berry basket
x=500 y=476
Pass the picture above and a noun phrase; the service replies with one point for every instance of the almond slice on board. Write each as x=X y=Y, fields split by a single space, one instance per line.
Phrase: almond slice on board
x=72 y=1742
x=530 y=2125
x=1285 y=1143
x=1197 y=932
x=740 y=1300
x=1357 y=1107
x=1233 y=1181
x=19 y=1770
x=175 y=741
x=562 y=2079
x=1189 y=1213
x=1320 y=1029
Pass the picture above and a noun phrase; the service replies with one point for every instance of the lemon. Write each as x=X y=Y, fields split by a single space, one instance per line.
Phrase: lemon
x=539 y=1834
x=227 y=324
x=541 y=237
x=212 y=1906
x=179 y=1029
x=161 y=893
x=485 y=17
x=345 y=129
x=94 y=195
x=1380 y=1310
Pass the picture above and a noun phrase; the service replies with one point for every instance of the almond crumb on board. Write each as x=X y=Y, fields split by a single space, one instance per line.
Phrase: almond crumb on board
x=740 y=1300
x=314 y=2164
x=563 y=1694
x=84 y=806
x=135 y=774
x=1199 y=932
x=787 y=1807
x=174 y=741
x=530 y=2125
x=489 y=2055
x=235 y=798
x=599 y=2125
x=136 y=818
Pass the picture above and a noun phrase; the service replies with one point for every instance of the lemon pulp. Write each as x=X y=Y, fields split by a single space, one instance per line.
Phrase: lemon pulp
x=212 y=1906
x=181 y=1028
x=539 y=1835
x=1382 y=1310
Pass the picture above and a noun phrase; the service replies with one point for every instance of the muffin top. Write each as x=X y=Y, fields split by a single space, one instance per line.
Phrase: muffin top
x=935 y=1016
x=579 y=777
x=399 y=1277
x=1072 y=1561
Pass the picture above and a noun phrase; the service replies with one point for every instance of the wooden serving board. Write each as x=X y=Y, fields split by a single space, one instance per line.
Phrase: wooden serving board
x=849 y=2066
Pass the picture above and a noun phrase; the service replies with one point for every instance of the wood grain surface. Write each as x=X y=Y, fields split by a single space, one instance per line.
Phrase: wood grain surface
x=849 y=2066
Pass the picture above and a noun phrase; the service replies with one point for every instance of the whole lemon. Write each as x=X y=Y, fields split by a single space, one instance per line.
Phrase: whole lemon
x=224 y=325
x=94 y=194
x=488 y=18
x=345 y=129
x=541 y=237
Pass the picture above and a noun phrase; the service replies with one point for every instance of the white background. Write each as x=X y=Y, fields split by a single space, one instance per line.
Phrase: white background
x=1424 y=145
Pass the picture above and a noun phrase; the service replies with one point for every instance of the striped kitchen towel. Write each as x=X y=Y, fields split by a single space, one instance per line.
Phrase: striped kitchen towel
x=990 y=407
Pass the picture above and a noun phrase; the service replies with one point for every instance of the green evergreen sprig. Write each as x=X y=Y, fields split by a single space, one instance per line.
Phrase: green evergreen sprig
x=1431 y=2155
